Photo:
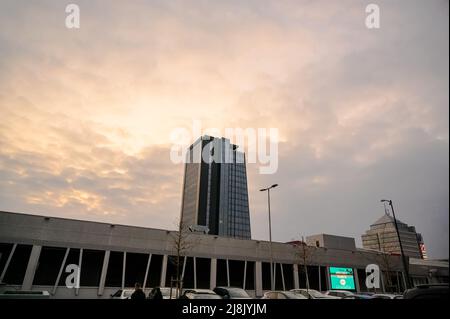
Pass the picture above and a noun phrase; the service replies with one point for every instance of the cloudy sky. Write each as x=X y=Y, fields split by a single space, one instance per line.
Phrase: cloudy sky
x=86 y=114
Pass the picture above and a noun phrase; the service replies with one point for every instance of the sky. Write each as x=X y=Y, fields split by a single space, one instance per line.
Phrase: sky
x=363 y=114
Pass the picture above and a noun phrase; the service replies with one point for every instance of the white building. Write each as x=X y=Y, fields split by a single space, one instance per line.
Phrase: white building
x=35 y=251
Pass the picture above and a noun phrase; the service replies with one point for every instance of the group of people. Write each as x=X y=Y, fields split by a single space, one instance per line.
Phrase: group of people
x=140 y=294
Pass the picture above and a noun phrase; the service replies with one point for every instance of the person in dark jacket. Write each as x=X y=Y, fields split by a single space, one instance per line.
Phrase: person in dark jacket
x=155 y=294
x=138 y=293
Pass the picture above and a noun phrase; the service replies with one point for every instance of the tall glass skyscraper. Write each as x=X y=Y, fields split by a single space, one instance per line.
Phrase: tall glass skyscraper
x=215 y=191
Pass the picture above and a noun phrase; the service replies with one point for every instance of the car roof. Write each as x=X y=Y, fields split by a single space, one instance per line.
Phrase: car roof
x=200 y=291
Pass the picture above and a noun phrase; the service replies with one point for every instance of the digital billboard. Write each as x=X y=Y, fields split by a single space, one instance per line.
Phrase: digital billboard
x=342 y=278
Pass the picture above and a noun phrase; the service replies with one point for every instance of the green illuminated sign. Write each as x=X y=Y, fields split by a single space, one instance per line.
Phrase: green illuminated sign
x=342 y=278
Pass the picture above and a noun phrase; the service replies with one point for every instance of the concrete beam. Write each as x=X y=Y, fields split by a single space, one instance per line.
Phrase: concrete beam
x=213 y=274
x=61 y=269
x=31 y=267
x=146 y=271
x=296 y=282
x=163 y=272
x=258 y=279
x=101 y=286
x=124 y=268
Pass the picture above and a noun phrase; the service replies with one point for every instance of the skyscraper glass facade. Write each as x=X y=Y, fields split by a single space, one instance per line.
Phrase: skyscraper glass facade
x=215 y=191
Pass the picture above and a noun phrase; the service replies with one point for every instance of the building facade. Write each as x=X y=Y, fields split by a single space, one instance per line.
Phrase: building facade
x=35 y=252
x=215 y=191
x=382 y=236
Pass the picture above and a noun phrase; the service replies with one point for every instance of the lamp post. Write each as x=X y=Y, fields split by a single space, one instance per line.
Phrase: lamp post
x=405 y=266
x=272 y=281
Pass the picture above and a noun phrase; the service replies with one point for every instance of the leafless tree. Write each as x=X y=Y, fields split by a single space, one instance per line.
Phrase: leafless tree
x=384 y=258
x=182 y=242
x=304 y=254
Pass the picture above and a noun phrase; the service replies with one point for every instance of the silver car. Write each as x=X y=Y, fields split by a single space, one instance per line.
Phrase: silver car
x=312 y=294
x=282 y=295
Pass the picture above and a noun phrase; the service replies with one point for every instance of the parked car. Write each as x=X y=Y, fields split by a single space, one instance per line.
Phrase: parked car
x=312 y=294
x=339 y=293
x=231 y=293
x=199 y=294
x=386 y=296
x=122 y=294
x=430 y=291
x=282 y=295
x=358 y=296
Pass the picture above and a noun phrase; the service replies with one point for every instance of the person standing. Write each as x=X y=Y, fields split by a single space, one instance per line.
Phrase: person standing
x=138 y=293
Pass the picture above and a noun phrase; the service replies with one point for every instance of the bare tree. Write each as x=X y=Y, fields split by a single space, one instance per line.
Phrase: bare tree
x=385 y=258
x=305 y=253
x=181 y=244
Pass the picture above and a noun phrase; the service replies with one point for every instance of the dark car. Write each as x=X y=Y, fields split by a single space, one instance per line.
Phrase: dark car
x=358 y=296
x=231 y=293
x=431 y=291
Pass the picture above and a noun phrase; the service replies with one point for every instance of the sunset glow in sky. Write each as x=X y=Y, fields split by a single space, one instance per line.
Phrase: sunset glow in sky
x=86 y=114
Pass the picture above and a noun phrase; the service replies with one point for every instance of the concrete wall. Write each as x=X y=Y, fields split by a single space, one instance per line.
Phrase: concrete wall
x=42 y=231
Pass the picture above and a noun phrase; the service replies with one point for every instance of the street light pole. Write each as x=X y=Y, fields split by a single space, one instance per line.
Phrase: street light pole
x=272 y=279
x=405 y=266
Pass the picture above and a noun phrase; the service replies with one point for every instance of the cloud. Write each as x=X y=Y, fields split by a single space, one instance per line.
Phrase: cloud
x=362 y=114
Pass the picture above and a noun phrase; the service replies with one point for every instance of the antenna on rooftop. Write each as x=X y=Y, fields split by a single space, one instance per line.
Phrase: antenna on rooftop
x=386 y=210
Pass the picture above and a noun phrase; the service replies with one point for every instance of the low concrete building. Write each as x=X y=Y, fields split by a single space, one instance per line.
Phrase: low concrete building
x=37 y=253
x=331 y=241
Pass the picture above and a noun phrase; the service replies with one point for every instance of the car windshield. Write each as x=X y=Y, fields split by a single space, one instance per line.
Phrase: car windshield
x=238 y=293
x=127 y=293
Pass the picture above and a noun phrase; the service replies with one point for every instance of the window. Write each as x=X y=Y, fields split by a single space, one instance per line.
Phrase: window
x=154 y=272
x=171 y=271
x=114 y=273
x=49 y=265
x=91 y=267
x=17 y=267
x=135 y=269
x=323 y=278
x=5 y=250
x=313 y=276
x=266 y=276
x=72 y=258
x=203 y=272
x=278 y=276
x=236 y=273
x=221 y=273
x=250 y=276
x=188 y=280
x=288 y=273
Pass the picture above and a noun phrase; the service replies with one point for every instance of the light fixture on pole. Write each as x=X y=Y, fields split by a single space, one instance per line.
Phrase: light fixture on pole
x=405 y=266
x=272 y=281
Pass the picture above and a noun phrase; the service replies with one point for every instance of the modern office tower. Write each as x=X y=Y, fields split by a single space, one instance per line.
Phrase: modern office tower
x=215 y=191
x=382 y=236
